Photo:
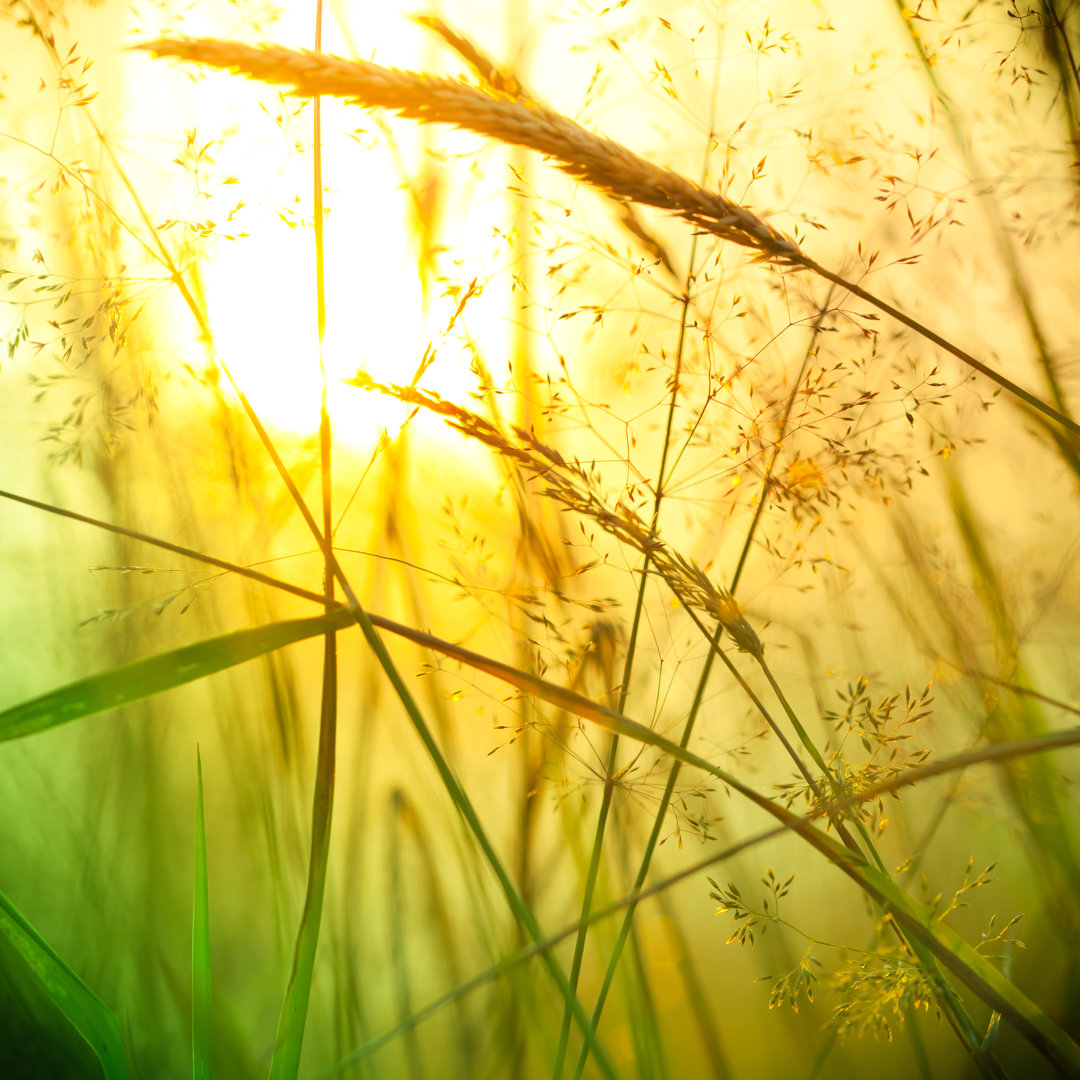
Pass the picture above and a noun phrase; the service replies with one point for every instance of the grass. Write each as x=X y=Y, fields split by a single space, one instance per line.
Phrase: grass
x=739 y=584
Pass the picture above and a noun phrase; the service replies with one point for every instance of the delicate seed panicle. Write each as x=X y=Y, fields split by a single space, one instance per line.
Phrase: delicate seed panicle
x=569 y=483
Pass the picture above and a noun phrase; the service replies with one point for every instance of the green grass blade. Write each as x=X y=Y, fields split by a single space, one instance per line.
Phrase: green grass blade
x=143 y=678
x=90 y=1017
x=201 y=1001
x=294 y=1008
x=464 y=805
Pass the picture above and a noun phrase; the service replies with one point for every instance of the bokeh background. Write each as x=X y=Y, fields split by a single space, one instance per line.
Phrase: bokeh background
x=917 y=527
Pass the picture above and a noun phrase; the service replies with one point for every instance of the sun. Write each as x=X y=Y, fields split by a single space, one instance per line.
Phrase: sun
x=261 y=301
x=254 y=185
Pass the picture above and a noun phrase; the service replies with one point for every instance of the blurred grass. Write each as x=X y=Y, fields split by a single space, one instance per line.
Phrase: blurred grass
x=461 y=839
x=202 y=1012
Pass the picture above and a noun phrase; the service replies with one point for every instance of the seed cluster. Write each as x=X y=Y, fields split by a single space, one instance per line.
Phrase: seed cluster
x=506 y=116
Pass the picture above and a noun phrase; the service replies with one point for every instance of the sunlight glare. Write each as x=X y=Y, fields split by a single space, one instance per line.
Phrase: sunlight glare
x=259 y=270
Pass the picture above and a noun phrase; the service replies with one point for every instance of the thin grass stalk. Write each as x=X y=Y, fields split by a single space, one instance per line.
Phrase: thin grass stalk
x=941 y=767
x=292 y=1020
x=589 y=889
x=676 y=766
x=650 y=846
x=535 y=539
x=1006 y=249
x=652 y=1064
x=294 y=1009
x=604 y=164
x=819 y=761
x=202 y=1008
x=628 y=666
x=167 y=545
x=697 y=994
x=770 y=469
x=398 y=958
x=355 y=833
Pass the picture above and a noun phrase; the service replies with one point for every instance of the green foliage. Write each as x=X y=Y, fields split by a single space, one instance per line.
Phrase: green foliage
x=86 y=1013
x=878 y=732
x=880 y=991
x=202 y=1004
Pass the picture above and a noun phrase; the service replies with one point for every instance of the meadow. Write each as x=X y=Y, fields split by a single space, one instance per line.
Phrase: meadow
x=539 y=540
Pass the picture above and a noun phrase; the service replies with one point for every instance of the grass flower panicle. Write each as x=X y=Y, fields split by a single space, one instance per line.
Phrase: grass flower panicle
x=569 y=483
x=509 y=760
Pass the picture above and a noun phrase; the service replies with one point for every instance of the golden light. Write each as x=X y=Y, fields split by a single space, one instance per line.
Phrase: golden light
x=248 y=170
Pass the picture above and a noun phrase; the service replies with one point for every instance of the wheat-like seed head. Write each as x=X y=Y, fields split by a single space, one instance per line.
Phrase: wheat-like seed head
x=596 y=160
x=569 y=483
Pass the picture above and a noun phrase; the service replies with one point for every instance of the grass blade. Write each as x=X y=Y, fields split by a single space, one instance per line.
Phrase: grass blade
x=90 y=1017
x=294 y=1008
x=292 y=1021
x=201 y=1000
x=143 y=678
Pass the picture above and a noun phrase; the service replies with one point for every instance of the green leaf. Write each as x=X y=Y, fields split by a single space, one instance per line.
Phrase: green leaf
x=294 y=1007
x=90 y=1017
x=143 y=678
x=201 y=999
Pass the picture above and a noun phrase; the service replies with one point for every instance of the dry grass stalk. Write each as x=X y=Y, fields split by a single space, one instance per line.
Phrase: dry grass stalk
x=596 y=160
x=506 y=82
x=569 y=483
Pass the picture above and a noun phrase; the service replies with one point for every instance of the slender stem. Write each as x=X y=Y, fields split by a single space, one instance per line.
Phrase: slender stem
x=943 y=343
x=639 y=607
x=779 y=444
x=294 y=1007
x=676 y=765
x=168 y=545
x=788 y=822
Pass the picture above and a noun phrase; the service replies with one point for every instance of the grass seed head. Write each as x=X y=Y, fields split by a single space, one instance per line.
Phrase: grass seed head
x=592 y=159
